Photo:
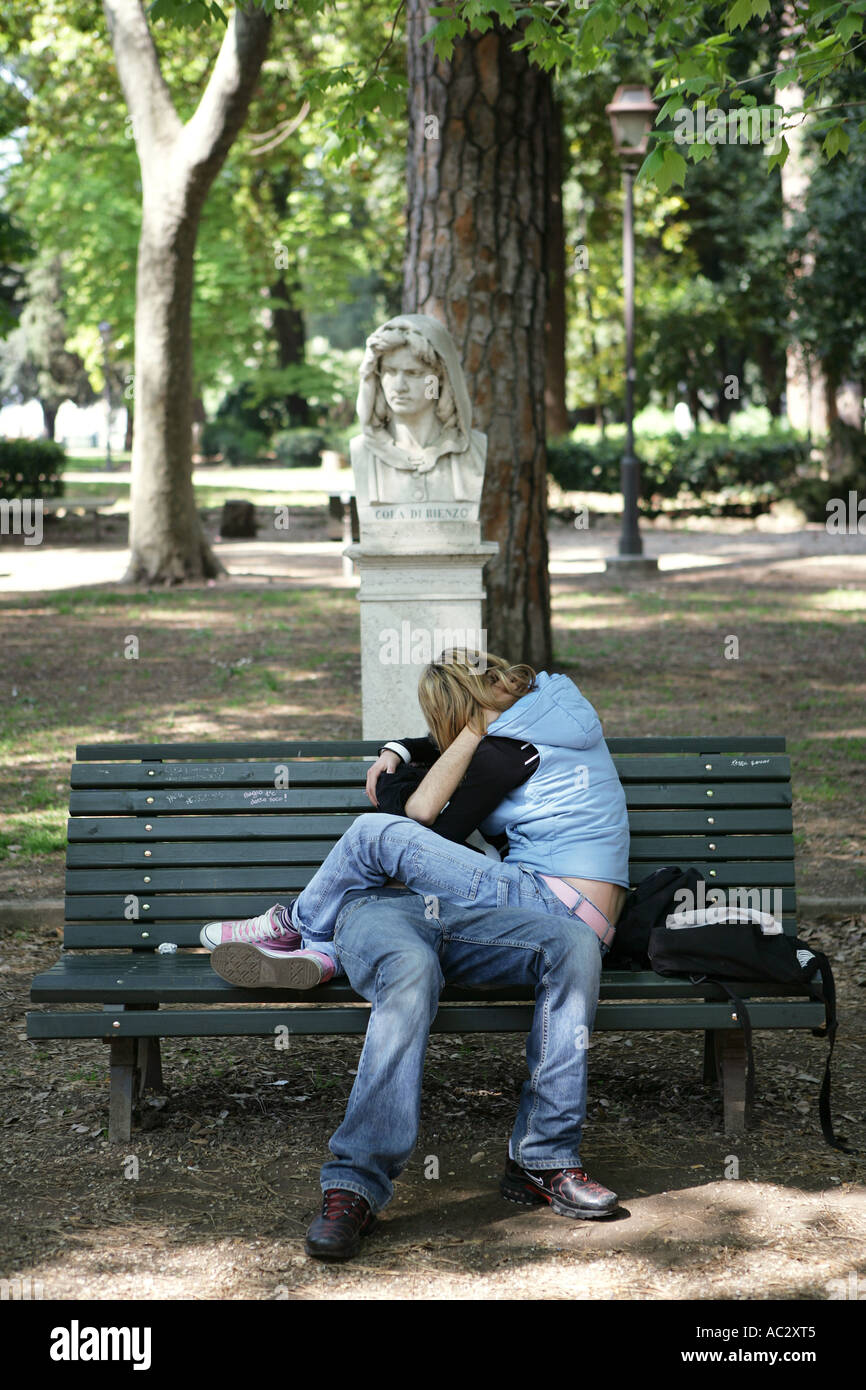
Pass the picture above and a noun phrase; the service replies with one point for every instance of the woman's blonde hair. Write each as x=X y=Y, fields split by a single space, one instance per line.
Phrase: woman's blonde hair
x=454 y=690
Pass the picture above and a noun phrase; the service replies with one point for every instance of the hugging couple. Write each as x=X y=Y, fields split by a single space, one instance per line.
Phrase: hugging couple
x=403 y=905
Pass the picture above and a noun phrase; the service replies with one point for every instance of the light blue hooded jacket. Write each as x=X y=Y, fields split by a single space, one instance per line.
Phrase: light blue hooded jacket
x=569 y=818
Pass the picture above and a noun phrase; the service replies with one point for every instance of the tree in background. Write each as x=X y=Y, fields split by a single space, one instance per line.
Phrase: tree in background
x=479 y=190
x=35 y=362
x=179 y=162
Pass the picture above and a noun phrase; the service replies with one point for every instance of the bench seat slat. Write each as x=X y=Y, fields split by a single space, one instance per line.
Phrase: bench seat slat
x=451 y=1018
x=148 y=978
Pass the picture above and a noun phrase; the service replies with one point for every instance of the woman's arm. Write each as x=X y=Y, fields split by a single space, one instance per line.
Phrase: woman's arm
x=445 y=775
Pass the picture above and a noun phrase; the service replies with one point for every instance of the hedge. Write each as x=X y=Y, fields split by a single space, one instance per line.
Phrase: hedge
x=300 y=448
x=768 y=466
x=31 y=468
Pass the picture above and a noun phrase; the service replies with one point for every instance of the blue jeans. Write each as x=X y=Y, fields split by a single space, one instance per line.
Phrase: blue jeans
x=377 y=847
x=397 y=952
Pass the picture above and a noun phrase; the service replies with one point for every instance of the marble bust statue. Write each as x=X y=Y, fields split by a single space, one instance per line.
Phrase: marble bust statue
x=417 y=444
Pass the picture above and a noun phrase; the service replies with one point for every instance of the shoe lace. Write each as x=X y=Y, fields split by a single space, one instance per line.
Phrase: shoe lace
x=263 y=925
x=338 y=1203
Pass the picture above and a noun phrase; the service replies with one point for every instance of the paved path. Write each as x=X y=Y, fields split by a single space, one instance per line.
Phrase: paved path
x=30 y=569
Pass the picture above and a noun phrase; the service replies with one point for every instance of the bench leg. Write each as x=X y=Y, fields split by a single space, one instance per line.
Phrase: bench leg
x=122 y=1070
x=148 y=1065
x=730 y=1058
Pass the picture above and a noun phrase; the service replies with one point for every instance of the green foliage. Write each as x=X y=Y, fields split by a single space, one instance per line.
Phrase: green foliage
x=696 y=43
x=31 y=468
x=300 y=448
x=845 y=450
x=825 y=246
x=766 y=468
x=236 y=441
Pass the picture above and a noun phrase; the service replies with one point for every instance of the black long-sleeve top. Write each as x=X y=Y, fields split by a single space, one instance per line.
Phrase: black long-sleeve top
x=498 y=765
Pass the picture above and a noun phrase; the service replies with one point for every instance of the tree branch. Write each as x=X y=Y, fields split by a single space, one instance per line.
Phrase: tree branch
x=280 y=132
x=210 y=131
x=155 y=123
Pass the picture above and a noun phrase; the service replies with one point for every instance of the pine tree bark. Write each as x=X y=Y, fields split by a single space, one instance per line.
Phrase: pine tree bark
x=556 y=414
x=178 y=165
x=479 y=182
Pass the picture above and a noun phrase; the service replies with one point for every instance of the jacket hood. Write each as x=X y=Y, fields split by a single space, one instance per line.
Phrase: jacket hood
x=554 y=713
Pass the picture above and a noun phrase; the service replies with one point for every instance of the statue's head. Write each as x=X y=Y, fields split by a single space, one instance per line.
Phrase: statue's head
x=402 y=374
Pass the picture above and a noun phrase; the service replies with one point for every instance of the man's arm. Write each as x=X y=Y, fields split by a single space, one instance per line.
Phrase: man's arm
x=406 y=750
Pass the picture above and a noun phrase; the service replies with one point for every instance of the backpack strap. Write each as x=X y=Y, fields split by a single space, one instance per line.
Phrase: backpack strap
x=826 y=993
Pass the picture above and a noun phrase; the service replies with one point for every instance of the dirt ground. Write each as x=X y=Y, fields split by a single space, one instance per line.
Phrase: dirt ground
x=211 y=1198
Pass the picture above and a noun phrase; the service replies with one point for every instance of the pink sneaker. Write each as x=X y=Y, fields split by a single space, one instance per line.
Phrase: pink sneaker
x=268 y=926
x=276 y=967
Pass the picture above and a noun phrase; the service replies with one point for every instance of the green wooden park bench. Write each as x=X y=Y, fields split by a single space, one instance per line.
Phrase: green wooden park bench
x=164 y=837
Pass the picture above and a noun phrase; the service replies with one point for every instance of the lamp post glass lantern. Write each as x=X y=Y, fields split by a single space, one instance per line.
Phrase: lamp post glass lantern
x=631 y=115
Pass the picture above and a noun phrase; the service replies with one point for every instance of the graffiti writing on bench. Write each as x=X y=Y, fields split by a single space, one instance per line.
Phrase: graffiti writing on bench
x=200 y=798
x=265 y=796
x=188 y=772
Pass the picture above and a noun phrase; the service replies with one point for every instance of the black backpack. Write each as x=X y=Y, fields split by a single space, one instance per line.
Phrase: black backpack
x=722 y=952
x=646 y=907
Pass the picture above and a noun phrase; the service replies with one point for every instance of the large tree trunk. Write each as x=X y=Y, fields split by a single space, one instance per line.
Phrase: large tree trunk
x=178 y=165
x=478 y=205
x=165 y=532
x=556 y=415
x=49 y=416
x=806 y=392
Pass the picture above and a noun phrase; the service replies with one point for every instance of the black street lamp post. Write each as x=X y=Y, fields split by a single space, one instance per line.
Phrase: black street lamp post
x=631 y=114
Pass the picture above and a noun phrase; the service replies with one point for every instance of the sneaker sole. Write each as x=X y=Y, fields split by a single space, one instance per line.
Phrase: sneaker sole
x=533 y=1197
x=250 y=968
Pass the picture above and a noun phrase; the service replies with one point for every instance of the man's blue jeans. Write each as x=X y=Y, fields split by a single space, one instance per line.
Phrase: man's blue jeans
x=397 y=952
x=377 y=847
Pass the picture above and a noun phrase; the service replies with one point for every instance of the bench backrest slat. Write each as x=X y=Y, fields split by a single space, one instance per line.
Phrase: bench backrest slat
x=314 y=748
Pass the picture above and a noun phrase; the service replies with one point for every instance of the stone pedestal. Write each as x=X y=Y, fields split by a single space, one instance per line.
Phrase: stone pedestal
x=412 y=605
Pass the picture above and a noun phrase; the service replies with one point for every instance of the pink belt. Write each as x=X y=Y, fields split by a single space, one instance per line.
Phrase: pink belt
x=588 y=912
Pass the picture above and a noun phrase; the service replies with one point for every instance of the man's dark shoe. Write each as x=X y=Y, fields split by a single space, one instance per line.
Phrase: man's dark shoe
x=346 y=1218
x=568 y=1191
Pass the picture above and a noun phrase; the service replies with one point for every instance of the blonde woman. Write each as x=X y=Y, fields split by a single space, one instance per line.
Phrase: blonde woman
x=517 y=753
